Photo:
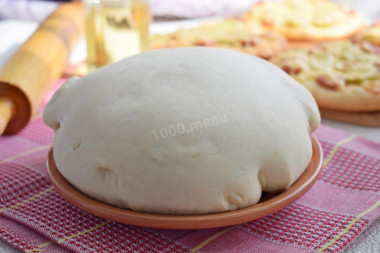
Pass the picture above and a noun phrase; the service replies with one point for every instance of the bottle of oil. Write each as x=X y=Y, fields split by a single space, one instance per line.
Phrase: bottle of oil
x=115 y=29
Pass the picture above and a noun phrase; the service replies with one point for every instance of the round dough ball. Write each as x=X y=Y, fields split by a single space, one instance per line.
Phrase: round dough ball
x=182 y=131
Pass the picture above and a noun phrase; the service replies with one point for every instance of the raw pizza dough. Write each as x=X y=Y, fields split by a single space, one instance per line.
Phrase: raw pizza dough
x=254 y=124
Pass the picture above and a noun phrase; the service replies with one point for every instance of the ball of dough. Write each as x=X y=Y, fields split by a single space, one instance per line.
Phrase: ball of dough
x=182 y=131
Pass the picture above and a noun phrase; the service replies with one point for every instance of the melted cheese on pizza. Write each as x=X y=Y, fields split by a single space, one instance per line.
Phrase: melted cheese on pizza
x=333 y=65
x=310 y=16
x=370 y=34
x=230 y=33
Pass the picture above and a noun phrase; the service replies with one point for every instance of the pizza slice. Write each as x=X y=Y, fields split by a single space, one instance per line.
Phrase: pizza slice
x=369 y=38
x=229 y=33
x=307 y=20
x=340 y=75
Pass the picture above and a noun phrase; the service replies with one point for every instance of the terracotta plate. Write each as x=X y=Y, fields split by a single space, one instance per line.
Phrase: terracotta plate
x=268 y=204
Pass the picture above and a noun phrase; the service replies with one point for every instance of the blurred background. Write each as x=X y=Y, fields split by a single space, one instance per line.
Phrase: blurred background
x=39 y=9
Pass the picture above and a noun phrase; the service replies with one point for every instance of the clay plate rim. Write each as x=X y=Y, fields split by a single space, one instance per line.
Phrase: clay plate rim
x=261 y=209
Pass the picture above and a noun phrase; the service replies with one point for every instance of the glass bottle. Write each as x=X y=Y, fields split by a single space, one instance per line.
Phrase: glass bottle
x=115 y=29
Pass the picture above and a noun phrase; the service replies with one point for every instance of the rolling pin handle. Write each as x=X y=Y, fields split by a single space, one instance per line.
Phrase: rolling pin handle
x=5 y=113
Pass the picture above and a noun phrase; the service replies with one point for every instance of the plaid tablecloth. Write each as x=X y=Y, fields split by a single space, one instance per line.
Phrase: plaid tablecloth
x=342 y=203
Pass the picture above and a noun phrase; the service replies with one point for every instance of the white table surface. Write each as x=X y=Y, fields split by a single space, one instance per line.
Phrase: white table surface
x=17 y=31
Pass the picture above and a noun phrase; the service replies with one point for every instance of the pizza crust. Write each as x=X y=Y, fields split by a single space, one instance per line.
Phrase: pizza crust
x=370 y=119
x=351 y=98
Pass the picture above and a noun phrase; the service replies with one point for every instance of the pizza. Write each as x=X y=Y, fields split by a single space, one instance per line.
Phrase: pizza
x=307 y=20
x=369 y=119
x=340 y=74
x=369 y=38
x=234 y=34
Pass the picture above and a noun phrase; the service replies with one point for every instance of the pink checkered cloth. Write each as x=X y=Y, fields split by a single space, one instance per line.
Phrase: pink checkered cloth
x=342 y=203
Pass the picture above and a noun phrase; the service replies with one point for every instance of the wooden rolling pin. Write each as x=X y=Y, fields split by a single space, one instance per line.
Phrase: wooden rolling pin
x=28 y=75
